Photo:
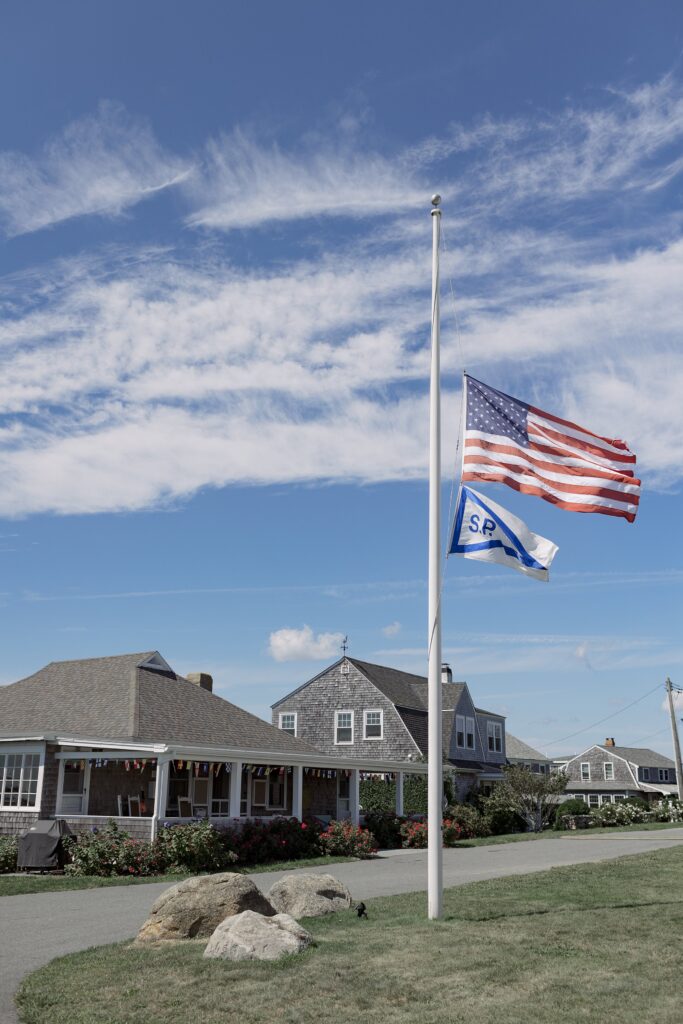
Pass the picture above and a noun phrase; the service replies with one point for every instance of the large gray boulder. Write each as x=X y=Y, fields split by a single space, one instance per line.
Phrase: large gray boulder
x=309 y=895
x=250 y=936
x=193 y=908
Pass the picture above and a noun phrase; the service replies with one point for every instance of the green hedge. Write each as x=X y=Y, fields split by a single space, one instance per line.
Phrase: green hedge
x=377 y=795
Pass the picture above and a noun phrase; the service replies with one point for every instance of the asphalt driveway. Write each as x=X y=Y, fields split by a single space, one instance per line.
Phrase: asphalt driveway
x=36 y=928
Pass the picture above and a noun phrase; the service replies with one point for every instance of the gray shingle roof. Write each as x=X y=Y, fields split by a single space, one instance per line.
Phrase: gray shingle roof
x=118 y=698
x=642 y=756
x=518 y=749
x=405 y=689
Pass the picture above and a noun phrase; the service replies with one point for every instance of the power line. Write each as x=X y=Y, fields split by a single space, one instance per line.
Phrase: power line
x=605 y=719
x=651 y=736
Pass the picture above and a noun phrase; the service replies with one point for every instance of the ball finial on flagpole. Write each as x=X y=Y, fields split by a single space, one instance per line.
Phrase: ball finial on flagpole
x=436 y=199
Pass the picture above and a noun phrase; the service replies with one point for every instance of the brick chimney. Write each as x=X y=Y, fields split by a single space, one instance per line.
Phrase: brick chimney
x=202 y=679
x=609 y=742
x=446 y=674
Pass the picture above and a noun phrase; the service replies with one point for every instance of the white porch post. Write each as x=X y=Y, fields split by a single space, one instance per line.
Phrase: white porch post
x=160 y=793
x=354 y=795
x=399 y=794
x=235 y=788
x=298 y=791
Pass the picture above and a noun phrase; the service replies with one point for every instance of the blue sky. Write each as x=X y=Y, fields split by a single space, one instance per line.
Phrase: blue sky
x=214 y=293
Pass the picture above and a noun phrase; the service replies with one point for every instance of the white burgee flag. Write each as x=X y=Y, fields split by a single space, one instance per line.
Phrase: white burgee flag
x=486 y=531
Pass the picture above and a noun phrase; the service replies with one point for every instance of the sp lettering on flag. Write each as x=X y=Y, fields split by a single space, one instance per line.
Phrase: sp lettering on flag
x=485 y=531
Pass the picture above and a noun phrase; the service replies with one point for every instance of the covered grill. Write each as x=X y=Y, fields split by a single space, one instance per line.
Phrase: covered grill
x=41 y=847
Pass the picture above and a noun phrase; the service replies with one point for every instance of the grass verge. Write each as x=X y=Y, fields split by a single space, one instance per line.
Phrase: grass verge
x=19 y=885
x=525 y=837
x=568 y=945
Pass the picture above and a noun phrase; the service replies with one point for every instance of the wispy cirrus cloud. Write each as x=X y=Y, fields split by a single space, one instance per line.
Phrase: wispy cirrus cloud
x=245 y=183
x=100 y=164
x=131 y=379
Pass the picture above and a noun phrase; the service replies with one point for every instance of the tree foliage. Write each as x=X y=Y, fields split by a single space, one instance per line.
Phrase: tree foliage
x=530 y=794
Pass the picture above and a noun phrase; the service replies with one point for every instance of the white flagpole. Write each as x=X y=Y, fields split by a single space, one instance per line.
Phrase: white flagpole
x=435 y=780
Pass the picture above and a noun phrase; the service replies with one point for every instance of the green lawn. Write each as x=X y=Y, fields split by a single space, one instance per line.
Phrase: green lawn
x=586 y=943
x=18 y=885
x=525 y=837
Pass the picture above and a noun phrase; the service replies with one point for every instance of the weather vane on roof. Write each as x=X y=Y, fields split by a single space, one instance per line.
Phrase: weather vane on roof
x=345 y=645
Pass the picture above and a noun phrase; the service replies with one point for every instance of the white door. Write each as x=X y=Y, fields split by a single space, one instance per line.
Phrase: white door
x=343 y=796
x=75 y=784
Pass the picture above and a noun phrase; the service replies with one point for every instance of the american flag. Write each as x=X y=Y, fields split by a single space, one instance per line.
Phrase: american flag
x=532 y=451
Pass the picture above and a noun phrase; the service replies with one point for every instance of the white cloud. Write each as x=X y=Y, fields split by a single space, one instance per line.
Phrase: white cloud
x=246 y=184
x=132 y=379
x=303 y=645
x=393 y=629
x=101 y=164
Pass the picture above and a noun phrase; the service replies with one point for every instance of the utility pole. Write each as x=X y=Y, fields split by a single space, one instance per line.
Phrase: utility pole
x=674 y=737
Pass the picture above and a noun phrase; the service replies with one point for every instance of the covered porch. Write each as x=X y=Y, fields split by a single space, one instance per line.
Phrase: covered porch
x=142 y=788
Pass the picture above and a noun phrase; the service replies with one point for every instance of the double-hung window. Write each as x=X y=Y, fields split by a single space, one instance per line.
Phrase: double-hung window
x=469 y=736
x=288 y=722
x=460 y=730
x=495 y=736
x=19 y=779
x=585 y=771
x=372 y=725
x=608 y=767
x=343 y=727
x=646 y=774
x=663 y=774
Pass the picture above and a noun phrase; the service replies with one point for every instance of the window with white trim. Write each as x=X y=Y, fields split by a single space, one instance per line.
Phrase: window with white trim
x=593 y=800
x=646 y=773
x=288 y=722
x=19 y=780
x=585 y=771
x=373 y=725
x=608 y=768
x=460 y=730
x=343 y=727
x=494 y=732
x=469 y=736
x=663 y=774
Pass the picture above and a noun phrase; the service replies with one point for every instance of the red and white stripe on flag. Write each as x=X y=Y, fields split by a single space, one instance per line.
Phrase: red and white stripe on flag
x=508 y=441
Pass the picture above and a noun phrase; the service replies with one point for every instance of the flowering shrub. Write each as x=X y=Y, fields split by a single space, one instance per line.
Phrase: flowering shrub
x=95 y=853
x=385 y=827
x=139 y=857
x=667 y=810
x=471 y=821
x=8 y=854
x=452 y=832
x=257 y=842
x=621 y=813
x=197 y=846
x=414 y=835
x=344 y=839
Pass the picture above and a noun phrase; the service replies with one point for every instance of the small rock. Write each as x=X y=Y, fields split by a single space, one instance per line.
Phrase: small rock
x=251 y=936
x=195 y=907
x=309 y=895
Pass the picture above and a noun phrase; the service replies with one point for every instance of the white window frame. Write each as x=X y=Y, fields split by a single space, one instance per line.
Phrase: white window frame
x=469 y=731
x=460 y=731
x=646 y=774
x=494 y=732
x=338 y=742
x=22 y=749
x=289 y=714
x=663 y=774
x=585 y=776
x=593 y=799
x=605 y=765
x=373 y=711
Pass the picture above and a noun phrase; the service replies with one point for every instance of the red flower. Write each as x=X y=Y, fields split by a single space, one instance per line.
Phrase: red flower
x=304 y=825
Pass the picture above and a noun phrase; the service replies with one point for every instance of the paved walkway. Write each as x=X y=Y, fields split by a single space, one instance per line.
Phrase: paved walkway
x=36 y=928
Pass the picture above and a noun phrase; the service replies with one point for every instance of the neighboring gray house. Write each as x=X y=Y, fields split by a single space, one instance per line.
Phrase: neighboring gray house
x=128 y=738
x=607 y=773
x=522 y=754
x=359 y=708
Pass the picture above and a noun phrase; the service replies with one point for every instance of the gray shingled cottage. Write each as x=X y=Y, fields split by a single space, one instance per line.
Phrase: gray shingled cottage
x=128 y=738
x=606 y=773
x=360 y=709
